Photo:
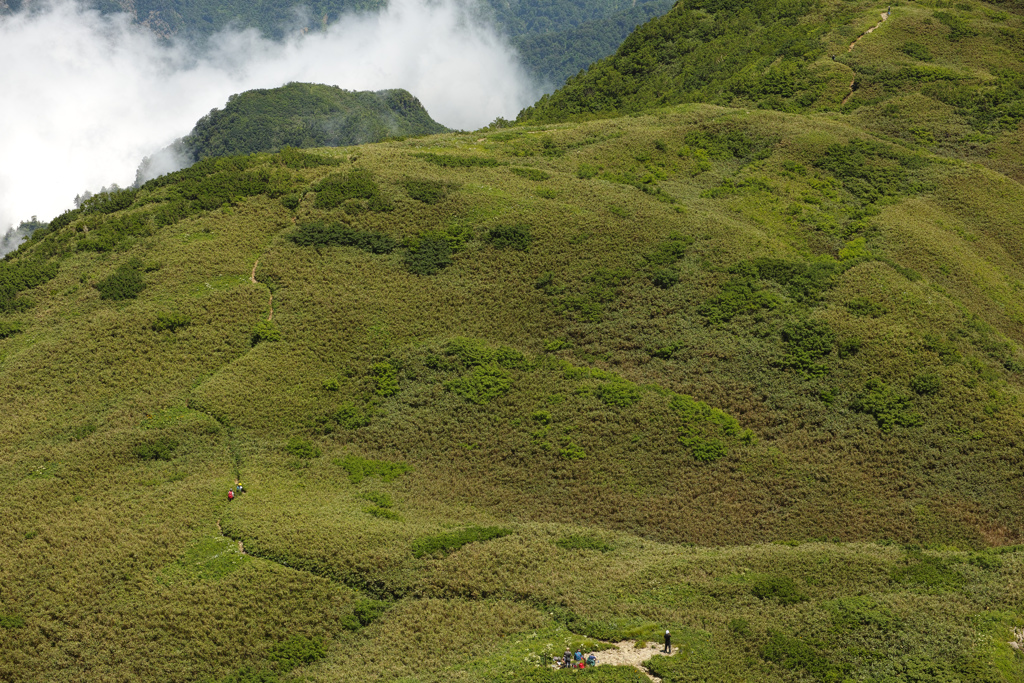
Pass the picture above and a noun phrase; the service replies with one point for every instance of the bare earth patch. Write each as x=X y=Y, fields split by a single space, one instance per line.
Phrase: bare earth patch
x=628 y=654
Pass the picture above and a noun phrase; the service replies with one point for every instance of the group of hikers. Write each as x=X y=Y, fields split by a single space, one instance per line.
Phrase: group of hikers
x=574 y=661
x=569 y=660
x=237 y=491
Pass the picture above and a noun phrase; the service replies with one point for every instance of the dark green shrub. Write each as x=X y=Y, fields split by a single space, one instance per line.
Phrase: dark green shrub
x=671 y=250
x=572 y=451
x=794 y=654
x=264 y=331
x=109 y=202
x=428 y=191
x=473 y=352
x=337 y=189
x=364 y=613
x=383 y=513
x=703 y=450
x=9 y=329
x=294 y=158
x=887 y=405
x=917 y=51
x=663 y=278
x=302 y=448
x=926 y=383
x=866 y=307
x=385 y=379
x=738 y=296
x=7 y=621
x=807 y=342
x=428 y=254
x=17 y=276
x=296 y=651
x=958 y=28
x=124 y=283
x=781 y=589
x=170 y=322
x=292 y=200
x=580 y=542
x=447 y=543
x=859 y=612
x=618 y=394
x=482 y=384
x=82 y=431
x=509 y=237
x=379 y=499
x=945 y=349
x=929 y=573
x=320 y=233
x=850 y=347
x=350 y=416
x=159 y=449
x=985 y=561
x=530 y=173
x=455 y=161
x=740 y=628
x=359 y=468
x=868 y=170
x=587 y=171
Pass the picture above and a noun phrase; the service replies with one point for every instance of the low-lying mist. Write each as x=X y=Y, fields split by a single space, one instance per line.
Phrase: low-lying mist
x=87 y=96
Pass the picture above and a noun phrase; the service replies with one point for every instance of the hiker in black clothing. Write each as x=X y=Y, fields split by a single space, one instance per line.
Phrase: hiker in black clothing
x=668 y=642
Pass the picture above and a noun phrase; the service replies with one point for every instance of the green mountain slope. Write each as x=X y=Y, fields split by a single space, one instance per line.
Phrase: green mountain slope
x=485 y=390
x=947 y=78
x=305 y=115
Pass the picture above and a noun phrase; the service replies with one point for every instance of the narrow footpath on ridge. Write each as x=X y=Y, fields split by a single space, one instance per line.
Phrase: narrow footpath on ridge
x=853 y=83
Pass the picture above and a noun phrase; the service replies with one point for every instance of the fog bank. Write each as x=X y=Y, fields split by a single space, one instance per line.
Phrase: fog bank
x=86 y=96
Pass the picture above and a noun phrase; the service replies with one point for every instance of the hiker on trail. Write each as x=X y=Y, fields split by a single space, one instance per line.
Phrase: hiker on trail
x=578 y=656
x=567 y=659
x=591 y=659
x=239 y=488
x=231 y=495
x=668 y=642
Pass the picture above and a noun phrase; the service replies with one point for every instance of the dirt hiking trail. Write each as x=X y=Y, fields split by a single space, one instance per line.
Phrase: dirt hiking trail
x=853 y=83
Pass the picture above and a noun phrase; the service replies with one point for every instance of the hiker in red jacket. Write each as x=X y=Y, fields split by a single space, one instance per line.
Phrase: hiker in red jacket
x=231 y=495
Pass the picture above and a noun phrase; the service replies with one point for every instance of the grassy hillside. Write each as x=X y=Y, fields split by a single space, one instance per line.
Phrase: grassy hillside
x=939 y=75
x=305 y=115
x=752 y=376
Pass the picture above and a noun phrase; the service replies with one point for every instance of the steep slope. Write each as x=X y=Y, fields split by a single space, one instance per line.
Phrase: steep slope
x=486 y=391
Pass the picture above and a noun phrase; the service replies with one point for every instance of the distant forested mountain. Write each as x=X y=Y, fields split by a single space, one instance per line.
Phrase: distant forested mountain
x=299 y=115
x=307 y=115
x=552 y=57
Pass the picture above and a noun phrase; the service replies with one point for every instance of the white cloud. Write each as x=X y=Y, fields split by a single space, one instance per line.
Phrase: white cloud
x=86 y=96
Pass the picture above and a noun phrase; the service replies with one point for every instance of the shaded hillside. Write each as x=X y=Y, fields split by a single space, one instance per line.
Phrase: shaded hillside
x=496 y=393
x=306 y=115
x=552 y=57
